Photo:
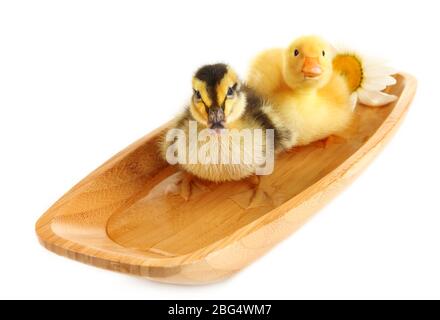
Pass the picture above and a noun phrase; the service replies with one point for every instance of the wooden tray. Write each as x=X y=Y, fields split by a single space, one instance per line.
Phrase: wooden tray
x=119 y=217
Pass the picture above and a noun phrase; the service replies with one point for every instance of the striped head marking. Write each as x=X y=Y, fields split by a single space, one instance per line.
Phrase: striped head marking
x=216 y=93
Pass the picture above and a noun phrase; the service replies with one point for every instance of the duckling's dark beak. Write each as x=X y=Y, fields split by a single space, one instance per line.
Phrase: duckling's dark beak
x=216 y=118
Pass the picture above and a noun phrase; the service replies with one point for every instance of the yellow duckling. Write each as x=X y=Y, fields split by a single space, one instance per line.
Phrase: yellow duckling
x=221 y=104
x=316 y=89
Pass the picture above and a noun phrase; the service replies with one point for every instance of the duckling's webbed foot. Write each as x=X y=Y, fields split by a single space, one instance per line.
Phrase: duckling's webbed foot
x=187 y=185
x=260 y=194
x=292 y=150
x=260 y=197
x=329 y=141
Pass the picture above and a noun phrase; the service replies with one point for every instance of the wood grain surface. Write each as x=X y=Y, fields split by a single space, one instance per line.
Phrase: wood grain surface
x=123 y=216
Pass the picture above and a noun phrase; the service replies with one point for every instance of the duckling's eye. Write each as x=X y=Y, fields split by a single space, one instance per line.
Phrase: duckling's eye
x=323 y=53
x=197 y=95
x=230 y=92
x=296 y=52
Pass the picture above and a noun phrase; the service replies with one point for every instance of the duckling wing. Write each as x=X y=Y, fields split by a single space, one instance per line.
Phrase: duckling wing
x=366 y=78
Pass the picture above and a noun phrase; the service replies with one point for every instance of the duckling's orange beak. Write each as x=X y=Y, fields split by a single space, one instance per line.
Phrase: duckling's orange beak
x=311 y=68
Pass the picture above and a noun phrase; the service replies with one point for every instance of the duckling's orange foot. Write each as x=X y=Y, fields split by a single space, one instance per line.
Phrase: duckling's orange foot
x=330 y=140
x=260 y=196
x=319 y=143
x=187 y=185
x=292 y=150
x=333 y=139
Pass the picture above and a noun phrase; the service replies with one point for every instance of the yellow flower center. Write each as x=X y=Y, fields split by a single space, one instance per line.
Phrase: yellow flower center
x=350 y=67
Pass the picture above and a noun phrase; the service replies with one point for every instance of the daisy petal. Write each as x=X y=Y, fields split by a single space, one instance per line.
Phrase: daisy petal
x=373 y=62
x=387 y=80
x=378 y=71
x=353 y=100
x=378 y=84
x=375 y=98
x=373 y=86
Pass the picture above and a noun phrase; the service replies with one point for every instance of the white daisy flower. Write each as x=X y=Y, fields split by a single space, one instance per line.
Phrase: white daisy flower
x=367 y=77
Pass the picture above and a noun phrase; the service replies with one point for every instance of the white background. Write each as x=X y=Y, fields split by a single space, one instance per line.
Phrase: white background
x=80 y=80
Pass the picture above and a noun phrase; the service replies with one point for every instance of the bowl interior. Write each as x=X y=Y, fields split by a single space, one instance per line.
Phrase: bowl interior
x=126 y=205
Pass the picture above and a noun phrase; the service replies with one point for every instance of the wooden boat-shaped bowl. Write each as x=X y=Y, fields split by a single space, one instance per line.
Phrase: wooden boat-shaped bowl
x=120 y=217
